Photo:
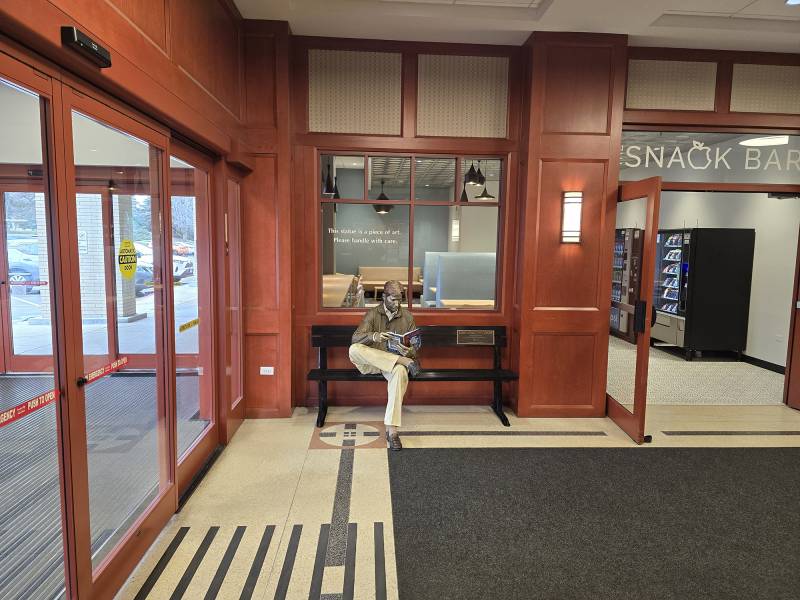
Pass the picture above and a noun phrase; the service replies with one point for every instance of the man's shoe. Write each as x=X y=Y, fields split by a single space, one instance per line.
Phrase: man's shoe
x=413 y=369
x=393 y=441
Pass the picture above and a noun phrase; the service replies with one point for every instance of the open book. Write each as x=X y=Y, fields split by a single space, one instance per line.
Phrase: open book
x=412 y=338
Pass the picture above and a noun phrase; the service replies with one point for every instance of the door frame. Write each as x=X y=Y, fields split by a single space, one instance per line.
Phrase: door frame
x=633 y=423
x=113 y=570
x=791 y=386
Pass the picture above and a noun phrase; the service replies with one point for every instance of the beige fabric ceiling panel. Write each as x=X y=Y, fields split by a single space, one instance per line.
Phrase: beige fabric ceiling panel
x=766 y=89
x=462 y=96
x=671 y=85
x=354 y=92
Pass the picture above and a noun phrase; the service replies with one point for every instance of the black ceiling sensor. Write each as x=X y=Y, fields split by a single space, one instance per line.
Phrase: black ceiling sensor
x=84 y=45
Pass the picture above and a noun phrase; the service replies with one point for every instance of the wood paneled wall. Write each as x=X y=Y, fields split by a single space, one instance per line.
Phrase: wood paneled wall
x=305 y=232
x=574 y=123
x=179 y=61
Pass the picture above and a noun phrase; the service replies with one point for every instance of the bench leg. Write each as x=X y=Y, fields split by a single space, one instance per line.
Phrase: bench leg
x=323 y=403
x=497 y=404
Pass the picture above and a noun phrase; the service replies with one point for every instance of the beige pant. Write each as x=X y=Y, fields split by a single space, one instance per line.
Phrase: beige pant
x=373 y=361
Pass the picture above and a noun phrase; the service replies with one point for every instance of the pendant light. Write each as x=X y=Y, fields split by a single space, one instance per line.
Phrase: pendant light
x=480 y=179
x=484 y=195
x=464 y=197
x=472 y=175
x=382 y=196
x=382 y=209
x=328 y=189
x=336 y=195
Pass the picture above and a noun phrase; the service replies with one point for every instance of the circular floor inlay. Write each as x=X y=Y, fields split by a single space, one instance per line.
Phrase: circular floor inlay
x=359 y=434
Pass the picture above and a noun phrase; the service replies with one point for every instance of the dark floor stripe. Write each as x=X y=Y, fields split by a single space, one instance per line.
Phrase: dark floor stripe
x=380 y=563
x=315 y=590
x=162 y=564
x=222 y=571
x=288 y=563
x=731 y=432
x=180 y=589
x=505 y=433
x=350 y=563
x=258 y=563
x=337 y=541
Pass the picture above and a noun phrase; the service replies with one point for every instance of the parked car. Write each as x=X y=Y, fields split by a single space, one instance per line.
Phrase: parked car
x=143 y=279
x=181 y=266
x=22 y=268
x=27 y=245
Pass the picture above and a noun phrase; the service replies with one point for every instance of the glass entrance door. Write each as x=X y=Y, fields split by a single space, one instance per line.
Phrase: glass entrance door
x=117 y=227
x=632 y=276
x=190 y=266
x=32 y=546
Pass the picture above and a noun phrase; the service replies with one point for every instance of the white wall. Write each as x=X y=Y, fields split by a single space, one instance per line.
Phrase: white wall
x=776 y=223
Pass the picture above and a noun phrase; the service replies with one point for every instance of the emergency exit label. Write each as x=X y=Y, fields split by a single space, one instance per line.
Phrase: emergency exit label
x=127 y=259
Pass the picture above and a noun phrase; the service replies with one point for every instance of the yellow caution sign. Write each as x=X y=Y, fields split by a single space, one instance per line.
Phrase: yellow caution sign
x=189 y=325
x=127 y=259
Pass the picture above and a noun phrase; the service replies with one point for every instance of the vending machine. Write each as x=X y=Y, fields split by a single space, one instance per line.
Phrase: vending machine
x=701 y=292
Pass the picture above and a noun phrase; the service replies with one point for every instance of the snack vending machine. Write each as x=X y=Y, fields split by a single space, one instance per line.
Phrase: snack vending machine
x=701 y=292
x=625 y=281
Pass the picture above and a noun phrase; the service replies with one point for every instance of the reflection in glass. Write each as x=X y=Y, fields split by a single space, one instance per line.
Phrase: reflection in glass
x=455 y=247
x=390 y=176
x=625 y=285
x=434 y=179
x=480 y=180
x=342 y=177
x=31 y=544
x=118 y=191
x=361 y=250
x=192 y=287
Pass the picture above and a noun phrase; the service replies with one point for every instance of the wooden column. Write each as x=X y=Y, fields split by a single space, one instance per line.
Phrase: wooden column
x=266 y=222
x=577 y=88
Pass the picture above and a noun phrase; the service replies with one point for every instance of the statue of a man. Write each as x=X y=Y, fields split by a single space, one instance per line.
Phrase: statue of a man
x=370 y=353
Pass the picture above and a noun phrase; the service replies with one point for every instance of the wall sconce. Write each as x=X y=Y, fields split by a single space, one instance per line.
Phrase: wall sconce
x=571 y=217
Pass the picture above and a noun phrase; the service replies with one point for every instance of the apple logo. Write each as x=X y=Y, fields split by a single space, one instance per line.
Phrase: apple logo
x=699 y=147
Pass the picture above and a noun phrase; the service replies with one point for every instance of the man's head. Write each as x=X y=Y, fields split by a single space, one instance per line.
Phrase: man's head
x=392 y=294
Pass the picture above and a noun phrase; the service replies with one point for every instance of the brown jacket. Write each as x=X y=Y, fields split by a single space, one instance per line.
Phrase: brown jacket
x=376 y=320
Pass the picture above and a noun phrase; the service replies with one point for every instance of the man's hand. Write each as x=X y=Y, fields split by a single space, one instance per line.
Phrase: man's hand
x=404 y=350
x=381 y=336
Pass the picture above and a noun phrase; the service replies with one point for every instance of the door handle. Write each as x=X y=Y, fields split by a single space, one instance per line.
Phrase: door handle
x=639 y=311
x=82 y=381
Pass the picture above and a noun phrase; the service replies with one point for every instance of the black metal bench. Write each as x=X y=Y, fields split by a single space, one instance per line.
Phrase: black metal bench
x=339 y=336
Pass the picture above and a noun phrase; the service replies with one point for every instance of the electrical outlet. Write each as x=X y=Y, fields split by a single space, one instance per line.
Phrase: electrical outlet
x=267 y=371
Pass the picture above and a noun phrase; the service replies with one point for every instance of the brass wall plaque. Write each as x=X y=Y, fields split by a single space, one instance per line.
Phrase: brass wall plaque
x=475 y=337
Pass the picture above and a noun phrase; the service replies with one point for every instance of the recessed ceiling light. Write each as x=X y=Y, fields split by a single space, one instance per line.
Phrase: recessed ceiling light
x=793 y=2
x=769 y=140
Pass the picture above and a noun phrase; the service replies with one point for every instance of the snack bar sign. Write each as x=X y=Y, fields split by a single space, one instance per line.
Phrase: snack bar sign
x=741 y=159
x=701 y=157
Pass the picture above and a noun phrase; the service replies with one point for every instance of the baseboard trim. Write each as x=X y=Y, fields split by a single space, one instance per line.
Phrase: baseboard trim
x=764 y=364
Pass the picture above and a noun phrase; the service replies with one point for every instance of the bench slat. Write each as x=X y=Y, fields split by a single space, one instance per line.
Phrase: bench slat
x=424 y=375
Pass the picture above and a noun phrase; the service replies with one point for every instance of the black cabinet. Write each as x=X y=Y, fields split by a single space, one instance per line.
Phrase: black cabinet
x=702 y=288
